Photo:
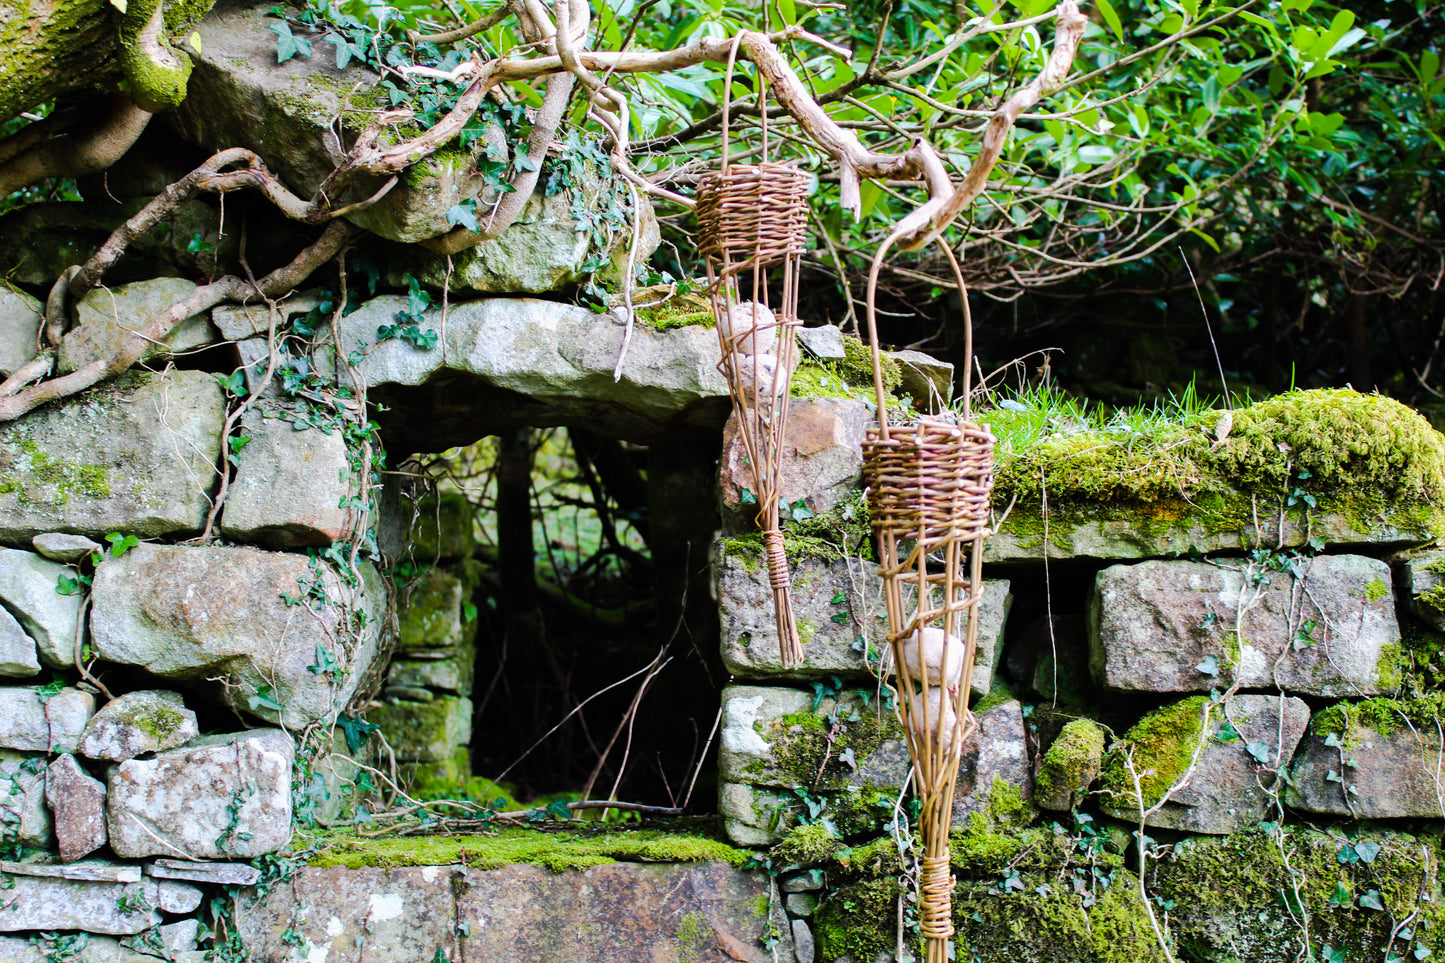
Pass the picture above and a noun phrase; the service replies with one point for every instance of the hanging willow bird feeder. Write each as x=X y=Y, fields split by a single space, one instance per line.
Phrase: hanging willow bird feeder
x=929 y=484
x=752 y=222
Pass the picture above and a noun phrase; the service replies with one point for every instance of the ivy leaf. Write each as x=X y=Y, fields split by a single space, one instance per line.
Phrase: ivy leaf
x=558 y=808
x=801 y=512
x=1367 y=851
x=464 y=214
x=1371 y=900
x=287 y=45
x=1260 y=751
x=264 y=699
x=356 y=730
x=1210 y=665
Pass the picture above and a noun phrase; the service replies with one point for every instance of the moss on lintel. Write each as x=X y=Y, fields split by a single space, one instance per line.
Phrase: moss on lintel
x=557 y=850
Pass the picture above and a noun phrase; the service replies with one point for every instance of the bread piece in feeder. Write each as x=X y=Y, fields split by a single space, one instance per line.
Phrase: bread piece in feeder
x=751 y=327
x=940 y=651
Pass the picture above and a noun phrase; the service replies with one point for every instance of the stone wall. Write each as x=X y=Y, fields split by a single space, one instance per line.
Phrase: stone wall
x=1167 y=672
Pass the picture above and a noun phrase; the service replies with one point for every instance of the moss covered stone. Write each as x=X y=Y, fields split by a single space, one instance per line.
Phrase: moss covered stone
x=1250 y=896
x=557 y=850
x=1367 y=463
x=1070 y=766
x=1162 y=744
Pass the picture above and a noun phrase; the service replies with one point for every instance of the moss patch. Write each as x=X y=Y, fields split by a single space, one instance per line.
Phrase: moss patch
x=1381 y=716
x=1072 y=762
x=1163 y=744
x=1353 y=453
x=1376 y=589
x=557 y=850
x=1237 y=898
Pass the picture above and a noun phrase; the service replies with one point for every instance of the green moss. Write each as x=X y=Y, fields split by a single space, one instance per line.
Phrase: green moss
x=848 y=377
x=1382 y=716
x=1119 y=924
x=694 y=935
x=746 y=549
x=36 y=477
x=1375 y=590
x=1162 y=744
x=1000 y=693
x=1390 y=669
x=1072 y=762
x=557 y=851
x=1243 y=897
x=806 y=845
x=1359 y=455
x=678 y=311
x=158 y=722
x=1232 y=649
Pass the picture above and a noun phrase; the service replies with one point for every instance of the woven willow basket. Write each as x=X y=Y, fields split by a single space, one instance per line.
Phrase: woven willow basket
x=752 y=221
x=929 y=485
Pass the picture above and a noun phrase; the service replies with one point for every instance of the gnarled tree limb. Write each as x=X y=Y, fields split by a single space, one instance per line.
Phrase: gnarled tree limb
x=78 y=153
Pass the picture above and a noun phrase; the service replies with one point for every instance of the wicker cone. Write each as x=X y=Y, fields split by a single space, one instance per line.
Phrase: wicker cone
x=752 y=220
x=928 y=489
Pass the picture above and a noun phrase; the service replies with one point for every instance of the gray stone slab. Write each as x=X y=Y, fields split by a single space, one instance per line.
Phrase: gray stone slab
x=49 y=903
x=90 y=871
x=310 y=465
x=201 y=613
x=22 y=719
x=219 y=797
x=1154 y=624
x=135 y=723
x=107 y=318
x=28 y=586
x=1358 y=771
x=77 y=802
x=830 y=629
x=1228 y=787
x=824 y=341
x=137 y=454
x=173 y=896
x=224 y=874
x=523 y=361
x=926 y=380
x=18 y=659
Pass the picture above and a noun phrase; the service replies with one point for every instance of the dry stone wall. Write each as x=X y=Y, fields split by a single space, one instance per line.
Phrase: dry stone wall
x=1181 y=671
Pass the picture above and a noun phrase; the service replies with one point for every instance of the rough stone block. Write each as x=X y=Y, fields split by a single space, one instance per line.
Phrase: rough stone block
x=137 y=454
x=221 y=797
x=17 y=650
x=107 y=318
x=1228 y=786
x=822 y=457
x=1369 y=761
x=56 y=903
x=195 y=613
x=28 y=589
x=173 y=896
x=135 y=723
x=850 y=752
x=309 y=465
x=926 y=380
x=425 y=731
x=23 y=816
x=1179 y=626
x=824 y=342
x=60 y=547
x=522 y=361
x=77 y=802
x=1421 y=574
x=22 y=719
x=1070 y=766
x=829 y=630
x=430 y=615
x=450 y=672
x=67 y=712
x=620 y=912
x=20 y=320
